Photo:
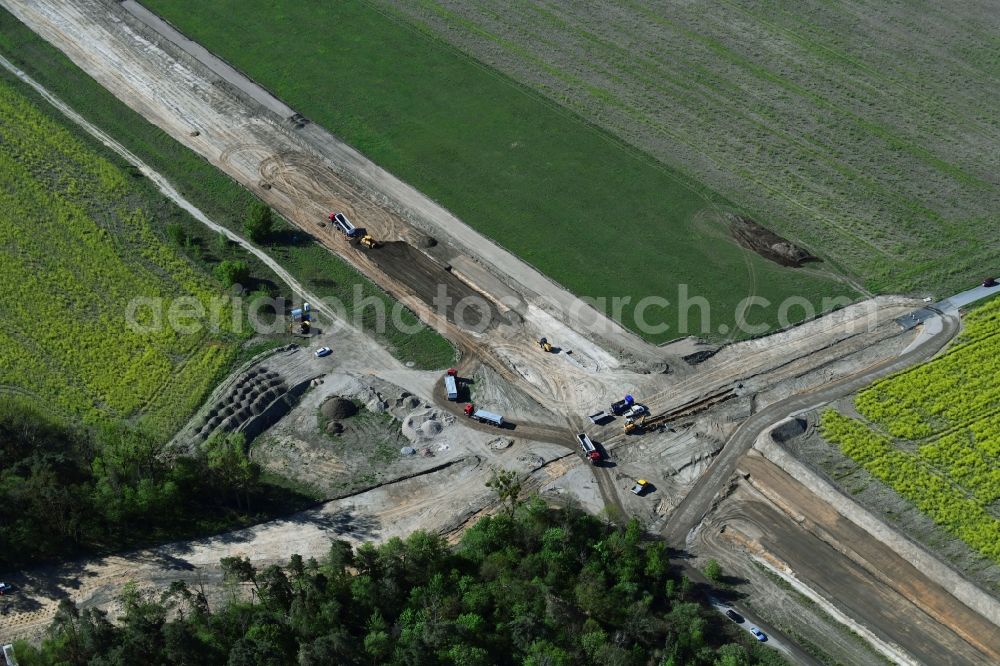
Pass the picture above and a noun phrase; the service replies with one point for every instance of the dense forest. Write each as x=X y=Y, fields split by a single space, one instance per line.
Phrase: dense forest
x=534 y=585
x=66 y=491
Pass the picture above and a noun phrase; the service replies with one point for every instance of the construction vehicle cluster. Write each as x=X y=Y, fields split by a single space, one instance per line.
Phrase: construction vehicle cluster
x=301 y=320
x=451 y=387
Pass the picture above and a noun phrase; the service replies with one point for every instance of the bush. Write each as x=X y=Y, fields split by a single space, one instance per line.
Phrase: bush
x=232 y=272
x=713 y=571
x=259 y=223
x=175 y=233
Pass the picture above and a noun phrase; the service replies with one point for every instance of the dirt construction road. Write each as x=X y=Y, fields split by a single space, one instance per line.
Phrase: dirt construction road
x=914 y=618
x=698 y=501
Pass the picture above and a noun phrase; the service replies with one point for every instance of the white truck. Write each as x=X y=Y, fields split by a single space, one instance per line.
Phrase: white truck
x=589 y=450
x=451 y=387
x=484 y=416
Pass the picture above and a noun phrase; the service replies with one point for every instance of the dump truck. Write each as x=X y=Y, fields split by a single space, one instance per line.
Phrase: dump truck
x=483 y=416
x=544 y=344
x=340 y=221
x=640 y=487
x=451 y=387
x=597 y=418
x=618 y=408
x=589 y=450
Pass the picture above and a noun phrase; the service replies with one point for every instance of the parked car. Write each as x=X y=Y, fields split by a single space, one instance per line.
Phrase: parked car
x=323 y=351
x=634 y=411
x=734 y=616
x=758 y=634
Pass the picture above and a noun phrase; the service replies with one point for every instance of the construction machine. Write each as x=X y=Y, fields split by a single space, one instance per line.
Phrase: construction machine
x=640 y=487
x=544 y=344
x=637 y=425
x=368 y=241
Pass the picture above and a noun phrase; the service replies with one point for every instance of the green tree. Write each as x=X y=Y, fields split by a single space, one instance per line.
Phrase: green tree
x=232 y=271
x=507 y=485
x=544 y=653
x=468 y=655
x=175 y=233
x=732 y=655
x=378 y=645
x=713 y=571
x=259 y=222
x=221 y=243
x=227 y=458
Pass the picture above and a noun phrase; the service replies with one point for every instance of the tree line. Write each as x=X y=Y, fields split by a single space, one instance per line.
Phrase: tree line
x=66 y=490
x=534 y=585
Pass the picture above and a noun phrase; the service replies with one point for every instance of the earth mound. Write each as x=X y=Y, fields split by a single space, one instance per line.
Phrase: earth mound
x=338 y=408
x=768 y=244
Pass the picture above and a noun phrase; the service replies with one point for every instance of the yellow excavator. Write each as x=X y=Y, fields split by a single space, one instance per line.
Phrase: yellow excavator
x=544 y=344
x=631 y=424
x=369 y=241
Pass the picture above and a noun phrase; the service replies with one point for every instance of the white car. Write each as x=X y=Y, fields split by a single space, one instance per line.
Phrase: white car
x=323 y=351
x=635 y=410
x=758 y=634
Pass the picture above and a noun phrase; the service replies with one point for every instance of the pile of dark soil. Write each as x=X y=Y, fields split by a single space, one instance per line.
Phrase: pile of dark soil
x=789 y=430
x=338 y=408
x=700 y=356
x=768 y=244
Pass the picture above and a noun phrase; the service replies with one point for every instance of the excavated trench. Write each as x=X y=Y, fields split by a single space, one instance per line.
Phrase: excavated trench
x=434 y=284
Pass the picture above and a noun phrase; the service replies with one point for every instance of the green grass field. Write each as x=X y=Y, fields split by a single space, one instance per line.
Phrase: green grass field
x=601 y=218
x=215 y=193
x=933 y=434
x=78 y=246
x=866 y=131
